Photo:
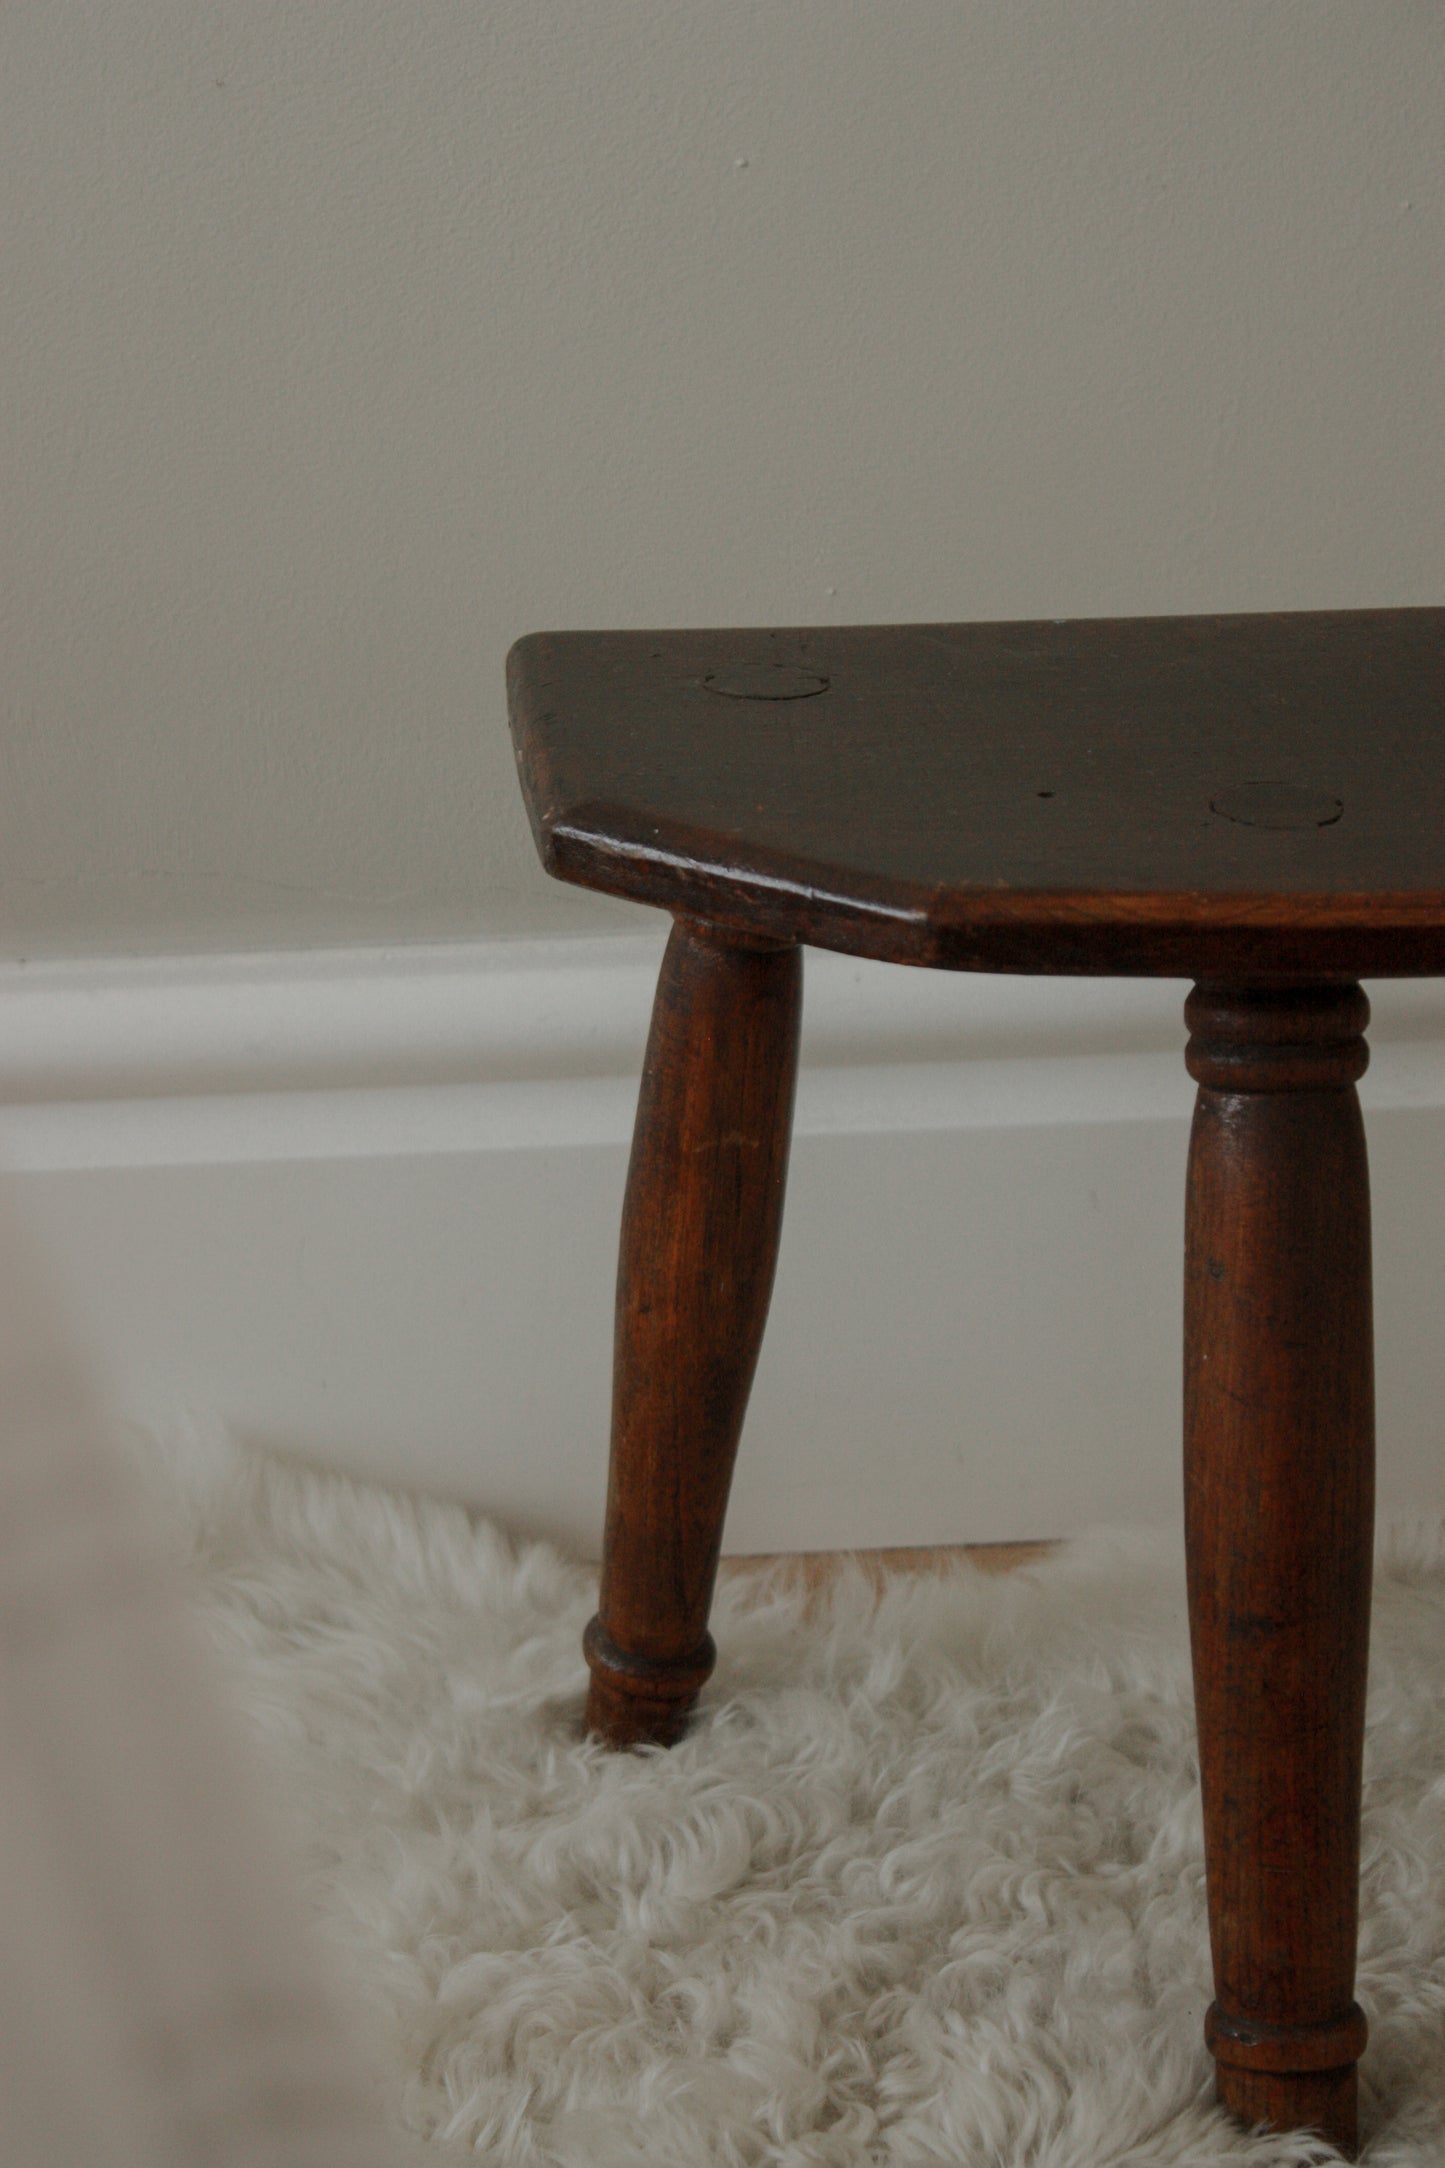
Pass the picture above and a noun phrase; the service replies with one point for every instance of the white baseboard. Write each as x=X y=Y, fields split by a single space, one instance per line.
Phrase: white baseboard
x=364 y=1206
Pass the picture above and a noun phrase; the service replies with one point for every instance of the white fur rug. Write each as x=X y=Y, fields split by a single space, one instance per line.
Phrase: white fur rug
x=922 y=1886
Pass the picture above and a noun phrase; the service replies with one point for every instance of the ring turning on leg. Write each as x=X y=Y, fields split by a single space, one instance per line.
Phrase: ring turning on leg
x=1279 y=1507
x=700 y=1230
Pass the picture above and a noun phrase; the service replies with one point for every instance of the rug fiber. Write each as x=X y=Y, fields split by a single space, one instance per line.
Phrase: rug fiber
x=923 y=1885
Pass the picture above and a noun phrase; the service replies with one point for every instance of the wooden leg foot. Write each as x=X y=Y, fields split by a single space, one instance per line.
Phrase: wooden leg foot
x=1279 y=1504
x=634 y=1702
x=700 y=1231
x=1291 y=2077
x=1326 y=2102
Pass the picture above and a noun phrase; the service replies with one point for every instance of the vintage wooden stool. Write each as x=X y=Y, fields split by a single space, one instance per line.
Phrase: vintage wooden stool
x=1253 y=802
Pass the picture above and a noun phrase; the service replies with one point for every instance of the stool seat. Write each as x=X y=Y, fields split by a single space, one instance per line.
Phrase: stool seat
x=1185 y=796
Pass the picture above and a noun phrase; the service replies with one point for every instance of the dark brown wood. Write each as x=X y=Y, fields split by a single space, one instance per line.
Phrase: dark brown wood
x=1221 y=796
x=700 y=1233
x=1279 y=1504
x=1250 y=801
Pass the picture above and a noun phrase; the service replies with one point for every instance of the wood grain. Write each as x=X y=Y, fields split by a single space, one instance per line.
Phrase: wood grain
x=1060 y=797
x=1250 y=801
x=1279 y=1499
x=700 y=1229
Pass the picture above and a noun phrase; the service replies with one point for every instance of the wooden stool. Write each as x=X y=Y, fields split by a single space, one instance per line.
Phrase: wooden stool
x=1257 y=803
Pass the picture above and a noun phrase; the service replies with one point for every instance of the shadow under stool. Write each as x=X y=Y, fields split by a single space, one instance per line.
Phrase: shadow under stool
x=1253 y=802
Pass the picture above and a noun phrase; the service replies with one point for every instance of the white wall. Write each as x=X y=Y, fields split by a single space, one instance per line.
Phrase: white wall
x=364 y=1208
x=343 y=342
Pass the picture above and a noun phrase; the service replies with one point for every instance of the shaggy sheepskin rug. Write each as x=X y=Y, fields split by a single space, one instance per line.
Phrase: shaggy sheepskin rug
x=923 y=1885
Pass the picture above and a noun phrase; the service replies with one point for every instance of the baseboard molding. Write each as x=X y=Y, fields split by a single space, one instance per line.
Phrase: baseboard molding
x=526 y=1045
x=364 y=1205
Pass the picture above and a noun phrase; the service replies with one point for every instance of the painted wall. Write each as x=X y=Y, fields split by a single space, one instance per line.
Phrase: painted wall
x=363 y=1208
x=342 y=343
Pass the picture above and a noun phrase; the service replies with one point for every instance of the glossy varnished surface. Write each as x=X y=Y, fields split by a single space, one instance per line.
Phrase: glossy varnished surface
x=1279 y=1513
x=1079 y=796
x=700 y=1227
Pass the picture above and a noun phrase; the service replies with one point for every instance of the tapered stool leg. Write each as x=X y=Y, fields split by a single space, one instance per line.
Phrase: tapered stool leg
x=1279 y=1502
x=700 y=1230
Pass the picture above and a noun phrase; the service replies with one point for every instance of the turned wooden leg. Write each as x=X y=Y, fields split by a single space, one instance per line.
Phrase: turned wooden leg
x=700 y=1231
x=1279 y=1504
